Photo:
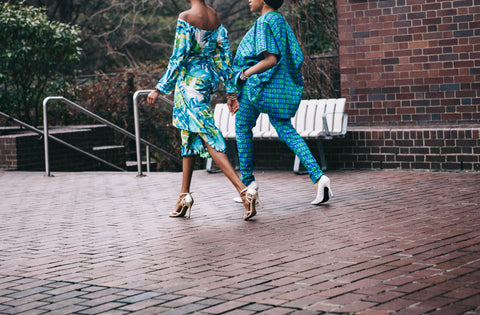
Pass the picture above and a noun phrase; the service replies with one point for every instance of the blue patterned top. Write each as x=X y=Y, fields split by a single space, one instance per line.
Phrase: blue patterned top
x=200 y=59
x=277 y=91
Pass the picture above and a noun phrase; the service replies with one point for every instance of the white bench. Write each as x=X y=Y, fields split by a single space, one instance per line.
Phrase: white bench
x=319 y=119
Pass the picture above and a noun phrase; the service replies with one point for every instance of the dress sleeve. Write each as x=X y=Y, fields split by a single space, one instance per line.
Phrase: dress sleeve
x=245 y=55
x=223 y=62
x=265 y=38
x=181 y=50
x=268 y=38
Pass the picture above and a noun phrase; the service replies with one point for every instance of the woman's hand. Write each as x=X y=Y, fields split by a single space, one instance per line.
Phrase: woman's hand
x=232 y=106
x=152 y=97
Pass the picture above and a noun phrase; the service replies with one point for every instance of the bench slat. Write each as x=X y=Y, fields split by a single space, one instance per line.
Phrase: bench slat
x=338 y=118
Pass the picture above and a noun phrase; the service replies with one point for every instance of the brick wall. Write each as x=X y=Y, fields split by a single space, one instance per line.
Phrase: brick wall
x=410 y=71
x=449 y=148
x=410 y=62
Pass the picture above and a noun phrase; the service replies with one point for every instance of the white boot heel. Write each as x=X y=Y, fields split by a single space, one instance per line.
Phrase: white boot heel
x=324 y=191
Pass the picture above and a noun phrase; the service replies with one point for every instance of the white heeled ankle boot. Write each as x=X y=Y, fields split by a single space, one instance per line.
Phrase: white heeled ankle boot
x=324 y=191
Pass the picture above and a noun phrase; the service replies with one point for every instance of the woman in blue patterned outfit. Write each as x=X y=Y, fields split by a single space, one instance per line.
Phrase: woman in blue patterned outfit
x=201 y=58
x=268 y=63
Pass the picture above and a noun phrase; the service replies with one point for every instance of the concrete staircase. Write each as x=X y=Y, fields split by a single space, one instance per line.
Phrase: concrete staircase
x=24 y=150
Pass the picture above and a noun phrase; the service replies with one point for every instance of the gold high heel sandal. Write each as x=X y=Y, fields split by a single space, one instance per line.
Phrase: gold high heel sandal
x=324 y=191
x=184 y=204
x=249 y=197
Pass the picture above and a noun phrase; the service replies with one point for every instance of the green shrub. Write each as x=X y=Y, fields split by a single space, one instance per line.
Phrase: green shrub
x=36 y=58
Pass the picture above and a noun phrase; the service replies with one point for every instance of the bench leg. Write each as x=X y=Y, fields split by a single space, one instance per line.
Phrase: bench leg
x=323 y=160
x=234 y=156
x=209 y=165
x=236 y=162
x=296 y=167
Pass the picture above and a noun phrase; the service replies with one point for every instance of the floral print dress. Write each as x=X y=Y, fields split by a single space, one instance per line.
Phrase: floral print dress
x=200 y=60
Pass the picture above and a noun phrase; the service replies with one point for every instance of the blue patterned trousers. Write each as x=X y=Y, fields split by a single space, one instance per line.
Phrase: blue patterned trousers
x=245 y=120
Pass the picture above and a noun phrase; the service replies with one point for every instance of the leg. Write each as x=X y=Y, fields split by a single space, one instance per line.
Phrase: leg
x=292 y=139
x=190 y=143
x=248 y=195
x=221 y=159
x=245 y=120
x=290 y=136
x=185 y=200
x=188 y=163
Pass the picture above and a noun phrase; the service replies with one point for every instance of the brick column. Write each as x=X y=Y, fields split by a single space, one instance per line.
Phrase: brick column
x=410 y=62
x=8 y=153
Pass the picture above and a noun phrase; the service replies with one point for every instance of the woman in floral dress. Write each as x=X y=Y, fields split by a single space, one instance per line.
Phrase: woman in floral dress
x=201 y=58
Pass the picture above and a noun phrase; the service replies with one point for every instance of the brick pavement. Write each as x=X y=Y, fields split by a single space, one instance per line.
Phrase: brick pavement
x=388 y=242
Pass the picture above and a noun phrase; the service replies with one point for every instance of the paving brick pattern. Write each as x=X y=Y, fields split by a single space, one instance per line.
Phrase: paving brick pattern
x=388 y=242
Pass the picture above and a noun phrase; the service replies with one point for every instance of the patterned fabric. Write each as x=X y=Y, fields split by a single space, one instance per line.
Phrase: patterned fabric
x=277 y=91
x=192 y=143
x=248 y=114
x=200 y=59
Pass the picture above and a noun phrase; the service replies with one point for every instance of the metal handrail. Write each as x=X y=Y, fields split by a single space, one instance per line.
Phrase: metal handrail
x=97 y=118
x=21 y=123
x=137 y=125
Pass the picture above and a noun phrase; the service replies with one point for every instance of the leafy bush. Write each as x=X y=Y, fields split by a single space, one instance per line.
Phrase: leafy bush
x=111 y=97
x=36 y=57
x=314 y=23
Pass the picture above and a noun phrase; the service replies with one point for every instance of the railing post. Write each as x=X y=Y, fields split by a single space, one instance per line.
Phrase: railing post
x=45 y=138
x=137 y=129
x=148 y=158
x=45 y=133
